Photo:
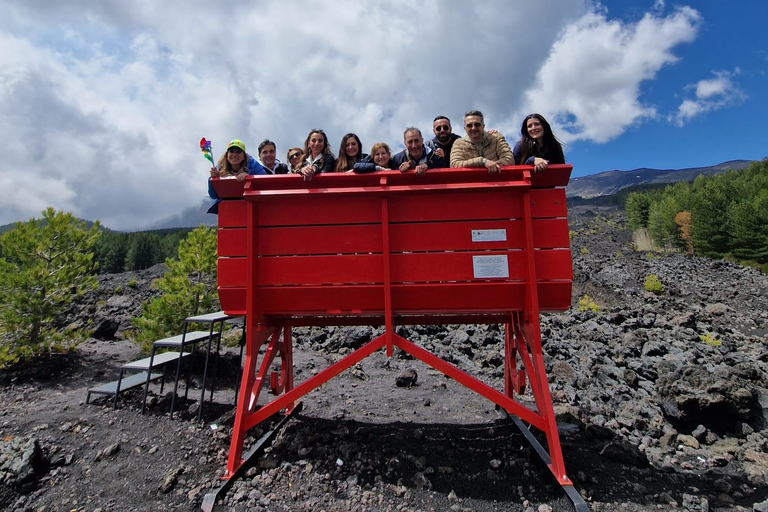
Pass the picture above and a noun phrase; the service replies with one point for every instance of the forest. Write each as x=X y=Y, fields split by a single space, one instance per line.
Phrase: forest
x=721 y=216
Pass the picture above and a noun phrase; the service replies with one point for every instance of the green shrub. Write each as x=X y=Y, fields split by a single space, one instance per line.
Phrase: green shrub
x=587 y=304
x=584 y=250
x=653 y=285
x=132 y=283
x=118 y=289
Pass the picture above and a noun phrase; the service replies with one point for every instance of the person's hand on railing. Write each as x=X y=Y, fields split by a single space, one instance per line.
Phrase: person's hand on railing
x=492 y=166
x=308 y=171
x=539 y=164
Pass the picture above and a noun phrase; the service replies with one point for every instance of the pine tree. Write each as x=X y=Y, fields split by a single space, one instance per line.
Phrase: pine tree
x=46 y=264
x=189 y=288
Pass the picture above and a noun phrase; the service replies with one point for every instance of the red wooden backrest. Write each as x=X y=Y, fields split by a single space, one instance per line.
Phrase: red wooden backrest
x=450 y=242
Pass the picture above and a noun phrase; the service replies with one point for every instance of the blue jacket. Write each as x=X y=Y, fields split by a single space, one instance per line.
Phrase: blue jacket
x=254 y=168
x=433 y=161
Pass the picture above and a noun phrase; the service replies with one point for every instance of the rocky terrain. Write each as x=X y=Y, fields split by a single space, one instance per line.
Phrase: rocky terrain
x=661 y=402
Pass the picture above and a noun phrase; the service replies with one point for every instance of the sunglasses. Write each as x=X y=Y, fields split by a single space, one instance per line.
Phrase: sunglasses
x=474 y=125
x=295 y=155
x=442 y=128
x=235 y=150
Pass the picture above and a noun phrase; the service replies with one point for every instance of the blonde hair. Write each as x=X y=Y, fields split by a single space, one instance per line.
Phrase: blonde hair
x=378 y=146
x=225 y=168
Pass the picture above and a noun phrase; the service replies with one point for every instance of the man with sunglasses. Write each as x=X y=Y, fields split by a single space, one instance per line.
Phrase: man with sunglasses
x=444 y=138
x=480 y=148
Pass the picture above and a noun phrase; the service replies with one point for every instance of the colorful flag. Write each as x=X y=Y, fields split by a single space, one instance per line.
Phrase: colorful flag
x=205 y=147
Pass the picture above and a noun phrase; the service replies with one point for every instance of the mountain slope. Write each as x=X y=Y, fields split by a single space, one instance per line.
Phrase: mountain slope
x=610 y=182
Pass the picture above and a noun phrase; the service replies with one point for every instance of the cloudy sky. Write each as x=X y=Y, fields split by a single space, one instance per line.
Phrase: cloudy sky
x=104 y=103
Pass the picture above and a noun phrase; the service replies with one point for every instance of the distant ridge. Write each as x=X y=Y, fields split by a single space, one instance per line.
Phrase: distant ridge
x=610 y=182
x=189 y=218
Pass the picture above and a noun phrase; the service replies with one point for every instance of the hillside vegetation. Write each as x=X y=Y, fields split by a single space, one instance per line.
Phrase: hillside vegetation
x=722 y=216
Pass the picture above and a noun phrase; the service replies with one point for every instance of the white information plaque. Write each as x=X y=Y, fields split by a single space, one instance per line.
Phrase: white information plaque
x=490 y=266
x=489 y=235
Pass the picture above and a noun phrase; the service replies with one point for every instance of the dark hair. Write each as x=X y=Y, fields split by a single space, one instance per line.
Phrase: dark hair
x=306 y=152
x=345 y=163
x=550 y=148
x=266 y=142
x=441 y=117
x=474 y=113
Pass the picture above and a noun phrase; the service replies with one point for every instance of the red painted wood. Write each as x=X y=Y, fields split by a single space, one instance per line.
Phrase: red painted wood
x=232 y=242
x=548 y=203
x=296 y=240
x=231 y=213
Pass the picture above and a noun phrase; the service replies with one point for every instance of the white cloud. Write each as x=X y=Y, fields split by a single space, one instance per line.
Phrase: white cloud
x=709 y=94
x=590 y=83
x=104 y=102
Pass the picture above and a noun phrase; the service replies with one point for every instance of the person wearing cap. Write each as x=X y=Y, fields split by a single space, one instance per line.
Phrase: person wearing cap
x=235 y=162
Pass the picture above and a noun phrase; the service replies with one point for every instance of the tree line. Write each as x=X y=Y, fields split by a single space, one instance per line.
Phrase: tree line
x=720 y=216
x=120 y=252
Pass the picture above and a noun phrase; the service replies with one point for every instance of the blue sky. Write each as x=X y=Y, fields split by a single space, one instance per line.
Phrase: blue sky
x=107 y=100
x=731 y=39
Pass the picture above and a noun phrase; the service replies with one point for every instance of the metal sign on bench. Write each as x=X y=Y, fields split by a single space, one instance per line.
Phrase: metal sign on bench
x=391 y=248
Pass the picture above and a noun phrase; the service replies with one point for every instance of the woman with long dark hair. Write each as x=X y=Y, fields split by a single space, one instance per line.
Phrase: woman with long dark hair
x=317 y=155
x=537 y=146
x=350 y=152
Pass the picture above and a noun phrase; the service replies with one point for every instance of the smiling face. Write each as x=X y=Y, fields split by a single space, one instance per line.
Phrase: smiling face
x=415 y=144
x=442 y=129
x=535 y=129
x=474 y=127
x=316 y=143
x=381 y=157
x=235 y=157
x=267 y=155
x=294 y=157
x=351 y=148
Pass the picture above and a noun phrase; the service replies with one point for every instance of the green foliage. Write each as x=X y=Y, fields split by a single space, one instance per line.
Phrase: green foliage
x=132 y=283
x=189 y=288
x=728 y=215
x=584 y=250
x=117 y=252
x=637 y=207
x=46 y=264
x=118 y=289
x=653 y=285
x=710 y=340
x=587 y=304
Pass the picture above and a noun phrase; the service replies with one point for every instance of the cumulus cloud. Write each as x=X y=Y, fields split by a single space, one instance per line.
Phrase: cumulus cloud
x=708 y=95
x=590 y=85
x=104 y=102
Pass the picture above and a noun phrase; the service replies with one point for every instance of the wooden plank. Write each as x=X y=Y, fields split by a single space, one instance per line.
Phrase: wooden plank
x=333 y=239
x=232 y=213
x=548 y=202
x=231 y=242
x=318 y=210
x=475 y=205
x=458 y=236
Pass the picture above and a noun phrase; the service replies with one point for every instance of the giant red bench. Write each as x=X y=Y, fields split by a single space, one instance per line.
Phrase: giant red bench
x=390 y=248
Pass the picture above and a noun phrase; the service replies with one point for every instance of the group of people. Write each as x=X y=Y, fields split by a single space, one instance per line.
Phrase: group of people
x=537 y=146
